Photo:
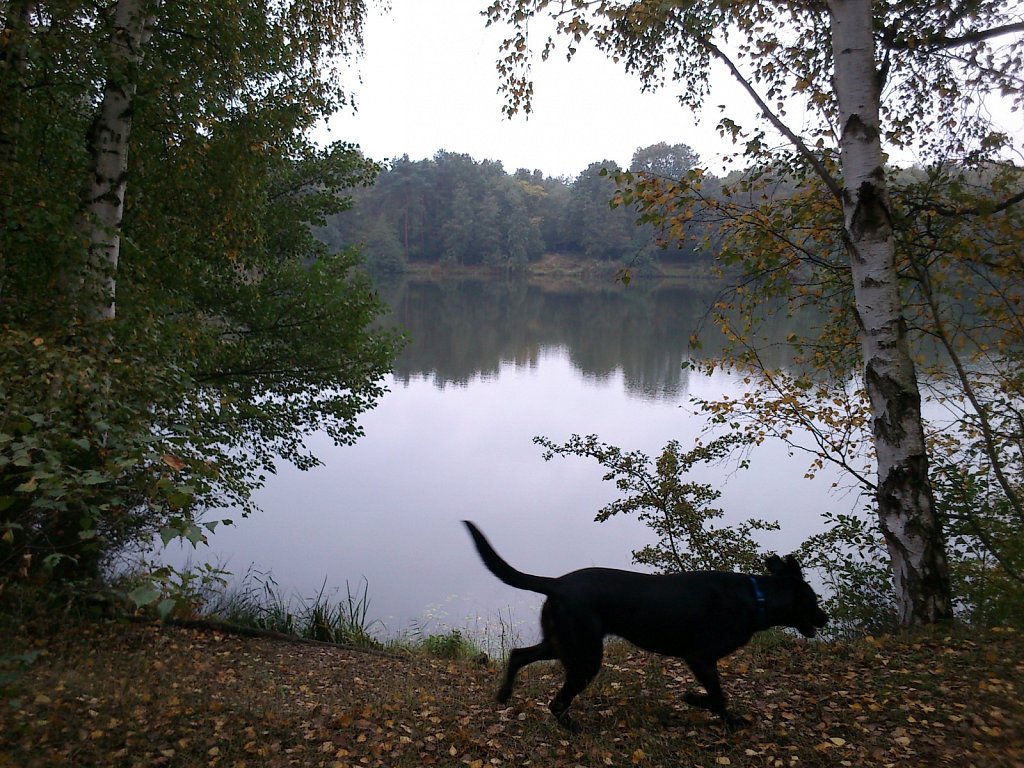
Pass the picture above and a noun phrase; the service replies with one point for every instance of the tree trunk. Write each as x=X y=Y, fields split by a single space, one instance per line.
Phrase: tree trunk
x=15 y=27
x=106 y=181
x=906 y=506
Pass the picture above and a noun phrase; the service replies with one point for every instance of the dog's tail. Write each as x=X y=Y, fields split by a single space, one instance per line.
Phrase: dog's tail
x=503 y=570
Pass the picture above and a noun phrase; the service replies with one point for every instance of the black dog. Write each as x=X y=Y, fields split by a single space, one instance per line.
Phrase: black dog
x=699 y=617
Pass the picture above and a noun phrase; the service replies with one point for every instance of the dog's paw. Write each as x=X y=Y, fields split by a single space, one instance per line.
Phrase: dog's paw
x=562 y=717
x=696 y=700
x=569 y=724
x=735 y=722
x=503 y=695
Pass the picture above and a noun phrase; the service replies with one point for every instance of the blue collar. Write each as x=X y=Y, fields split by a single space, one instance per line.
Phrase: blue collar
x=762 y=605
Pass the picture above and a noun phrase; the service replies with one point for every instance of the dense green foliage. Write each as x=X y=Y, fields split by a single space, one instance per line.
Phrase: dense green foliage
x=454 y=210
x=236 y=332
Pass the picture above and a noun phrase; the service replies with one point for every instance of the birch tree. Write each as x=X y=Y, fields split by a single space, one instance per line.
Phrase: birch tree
x=865 y=78
x=906 y=507
x=109 y=137
x=162 y=151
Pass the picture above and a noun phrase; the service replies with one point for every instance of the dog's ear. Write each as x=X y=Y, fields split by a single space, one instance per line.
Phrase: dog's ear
x=792 y=567
x=778 y=567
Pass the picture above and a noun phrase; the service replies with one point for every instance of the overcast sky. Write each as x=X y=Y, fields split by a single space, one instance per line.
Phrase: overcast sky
x=429 y=82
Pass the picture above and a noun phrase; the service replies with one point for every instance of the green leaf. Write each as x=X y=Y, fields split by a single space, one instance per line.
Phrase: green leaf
x=179 y=499
x=144 y=595
x=50 y=561
x=94 y=477
x=195 y=535
x=167 y=534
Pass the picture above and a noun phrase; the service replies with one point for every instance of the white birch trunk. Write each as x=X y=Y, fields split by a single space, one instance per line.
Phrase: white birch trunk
x=906 y=506
x=108 y=147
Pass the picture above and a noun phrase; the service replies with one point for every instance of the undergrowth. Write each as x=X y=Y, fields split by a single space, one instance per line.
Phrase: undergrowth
x=259 y=603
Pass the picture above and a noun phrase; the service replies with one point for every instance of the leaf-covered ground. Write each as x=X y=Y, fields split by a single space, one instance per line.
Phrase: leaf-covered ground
x=121 y=694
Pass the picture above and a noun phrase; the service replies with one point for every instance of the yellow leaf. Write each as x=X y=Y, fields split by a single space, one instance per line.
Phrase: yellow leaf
x=173 y=462
x=723 y=761
x=638 y=756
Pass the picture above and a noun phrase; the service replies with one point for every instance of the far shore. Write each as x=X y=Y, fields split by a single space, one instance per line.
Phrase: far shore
x=554 y=269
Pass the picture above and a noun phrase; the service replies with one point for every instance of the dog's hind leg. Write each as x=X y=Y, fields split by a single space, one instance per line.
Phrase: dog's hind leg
x=580 y=668
x=706 y=673
x=519 y=658
x=578 y=674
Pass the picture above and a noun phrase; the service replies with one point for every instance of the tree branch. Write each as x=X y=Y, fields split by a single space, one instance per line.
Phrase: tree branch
x=819 y=167
x=987 y=432
x=939 y=42
x=977 y=210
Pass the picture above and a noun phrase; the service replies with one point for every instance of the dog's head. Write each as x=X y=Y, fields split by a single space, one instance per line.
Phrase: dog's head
x=807 y=617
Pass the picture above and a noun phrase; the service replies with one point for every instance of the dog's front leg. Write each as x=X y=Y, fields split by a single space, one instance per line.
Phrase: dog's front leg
x=706 y=673
x=519 y=658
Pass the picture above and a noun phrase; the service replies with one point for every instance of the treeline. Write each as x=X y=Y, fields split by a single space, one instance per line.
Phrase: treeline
x=453 y=210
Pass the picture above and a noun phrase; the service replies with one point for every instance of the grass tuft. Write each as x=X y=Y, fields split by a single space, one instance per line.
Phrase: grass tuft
x=259 y=603
x=450 y=645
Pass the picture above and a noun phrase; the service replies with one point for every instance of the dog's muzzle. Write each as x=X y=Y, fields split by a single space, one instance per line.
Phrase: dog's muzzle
x=820 y=620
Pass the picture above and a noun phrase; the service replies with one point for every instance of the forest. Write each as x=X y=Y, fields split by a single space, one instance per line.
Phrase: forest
x=454 y=210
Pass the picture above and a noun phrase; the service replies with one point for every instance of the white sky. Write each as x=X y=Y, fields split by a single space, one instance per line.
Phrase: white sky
x=429 y=82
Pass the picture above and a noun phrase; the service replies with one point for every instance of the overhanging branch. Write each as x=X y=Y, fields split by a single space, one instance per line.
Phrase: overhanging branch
x=801 y=147
x=938 y=42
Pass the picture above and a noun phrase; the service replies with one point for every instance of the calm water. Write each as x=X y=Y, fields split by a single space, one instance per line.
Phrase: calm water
x=490 y=366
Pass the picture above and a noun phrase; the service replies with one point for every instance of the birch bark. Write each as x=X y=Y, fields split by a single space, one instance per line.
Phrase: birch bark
x=106 y=182
x=906 y=506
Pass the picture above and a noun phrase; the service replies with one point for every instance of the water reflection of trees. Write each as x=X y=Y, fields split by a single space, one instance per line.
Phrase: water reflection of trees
x=467 y=328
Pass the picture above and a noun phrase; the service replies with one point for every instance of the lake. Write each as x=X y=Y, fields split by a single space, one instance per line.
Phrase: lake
x=490 y=365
